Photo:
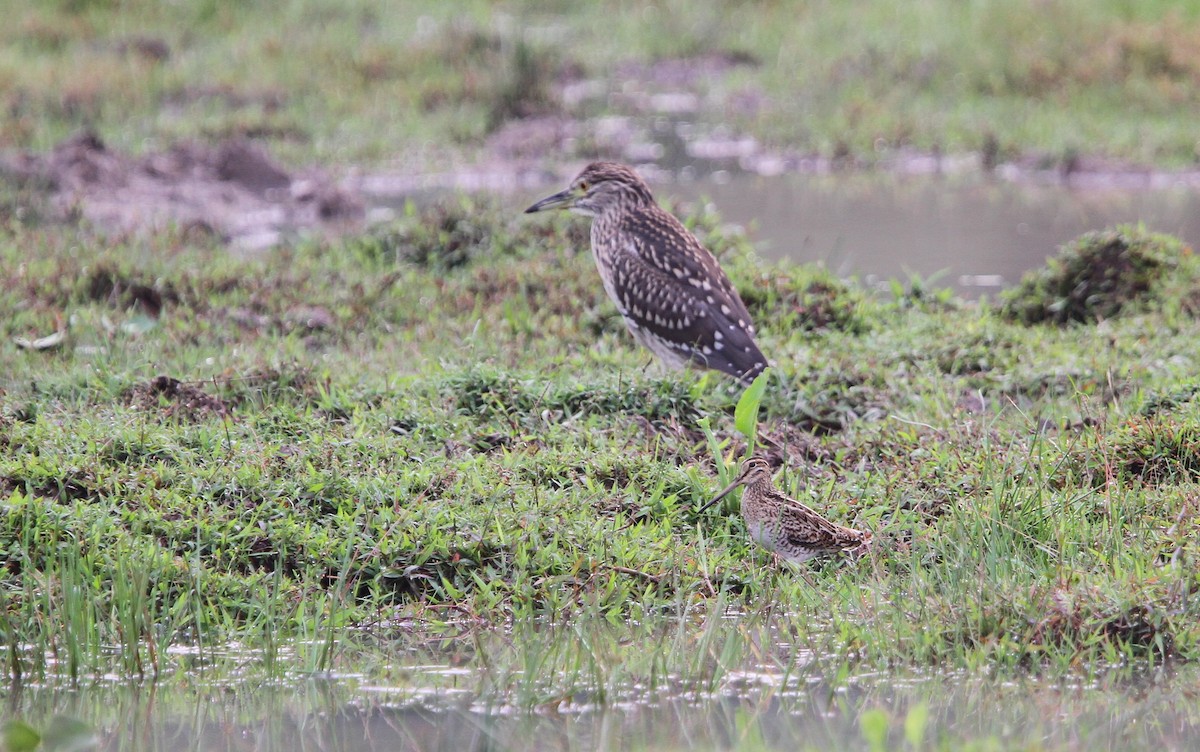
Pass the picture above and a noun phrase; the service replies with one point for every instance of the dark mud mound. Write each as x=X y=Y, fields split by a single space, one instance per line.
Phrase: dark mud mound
x=232 y=189
x=1098 y=276
x=176 y=400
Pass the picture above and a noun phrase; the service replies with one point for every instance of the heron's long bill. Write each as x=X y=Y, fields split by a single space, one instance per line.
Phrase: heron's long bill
x=560 y=200
x=728 y=489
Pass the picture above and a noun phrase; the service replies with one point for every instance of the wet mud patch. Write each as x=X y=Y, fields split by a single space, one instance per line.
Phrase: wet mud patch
x=540 y=103
x=231 y=189
x=176 y=400
x=692 y=113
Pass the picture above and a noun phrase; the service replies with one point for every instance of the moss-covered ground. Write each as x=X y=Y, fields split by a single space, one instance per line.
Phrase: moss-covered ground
x=367 y=446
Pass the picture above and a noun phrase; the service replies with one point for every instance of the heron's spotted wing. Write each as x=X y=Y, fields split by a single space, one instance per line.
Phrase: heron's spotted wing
x=664 y=244
x=679 y=316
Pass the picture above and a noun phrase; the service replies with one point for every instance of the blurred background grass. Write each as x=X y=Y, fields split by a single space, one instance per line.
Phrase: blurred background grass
x=352 y=81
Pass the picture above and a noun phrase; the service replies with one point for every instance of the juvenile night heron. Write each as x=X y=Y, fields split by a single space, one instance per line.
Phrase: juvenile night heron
x=784 y=526
x=672 y=293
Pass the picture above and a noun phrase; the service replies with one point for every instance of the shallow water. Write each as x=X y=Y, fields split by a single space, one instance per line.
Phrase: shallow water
x=749 y=711
x=969 y=232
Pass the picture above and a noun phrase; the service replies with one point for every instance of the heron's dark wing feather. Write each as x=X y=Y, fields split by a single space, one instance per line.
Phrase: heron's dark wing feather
x=698 y=324
x=663 y=243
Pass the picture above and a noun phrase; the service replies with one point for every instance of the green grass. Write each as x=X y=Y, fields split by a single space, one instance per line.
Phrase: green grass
x=348 y=82
x=364 y=451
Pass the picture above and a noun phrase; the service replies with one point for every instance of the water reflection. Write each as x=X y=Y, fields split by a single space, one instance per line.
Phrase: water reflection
x=973 y=233
x=345 y=715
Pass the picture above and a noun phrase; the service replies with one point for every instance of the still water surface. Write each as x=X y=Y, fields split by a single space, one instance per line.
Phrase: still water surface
x=970 y=232
x=1156 y=711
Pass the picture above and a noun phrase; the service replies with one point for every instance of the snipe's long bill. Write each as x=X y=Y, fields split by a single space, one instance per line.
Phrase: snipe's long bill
x=672 y=293
x=783 y=525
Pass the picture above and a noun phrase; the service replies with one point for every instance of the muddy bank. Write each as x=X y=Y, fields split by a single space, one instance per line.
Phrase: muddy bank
x=655 y=118
x=231 y=189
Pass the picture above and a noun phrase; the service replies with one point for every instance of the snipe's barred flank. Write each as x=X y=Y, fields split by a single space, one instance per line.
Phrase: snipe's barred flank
x=783 y=525
x=672 y=293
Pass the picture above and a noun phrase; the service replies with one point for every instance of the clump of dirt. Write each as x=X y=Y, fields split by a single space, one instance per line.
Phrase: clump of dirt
x=231 y=188
x=105 y=283
x=1095 y=277
x=176 y=399
x=1072 y=615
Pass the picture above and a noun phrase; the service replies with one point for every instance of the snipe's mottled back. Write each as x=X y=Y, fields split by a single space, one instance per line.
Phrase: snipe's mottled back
x=783 y=525
x=672 y=293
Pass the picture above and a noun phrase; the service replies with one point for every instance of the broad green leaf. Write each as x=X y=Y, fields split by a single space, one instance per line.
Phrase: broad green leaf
x=19 y=736
x=874 y=725
x=745 y=415
x=914 y=724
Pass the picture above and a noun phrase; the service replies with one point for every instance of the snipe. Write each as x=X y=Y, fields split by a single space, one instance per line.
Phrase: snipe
x=783 y=525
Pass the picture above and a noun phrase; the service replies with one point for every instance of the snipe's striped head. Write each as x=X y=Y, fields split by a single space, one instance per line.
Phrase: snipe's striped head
x=754 y=470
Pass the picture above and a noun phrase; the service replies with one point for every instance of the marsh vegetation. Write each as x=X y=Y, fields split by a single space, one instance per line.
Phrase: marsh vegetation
x=422 y=460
